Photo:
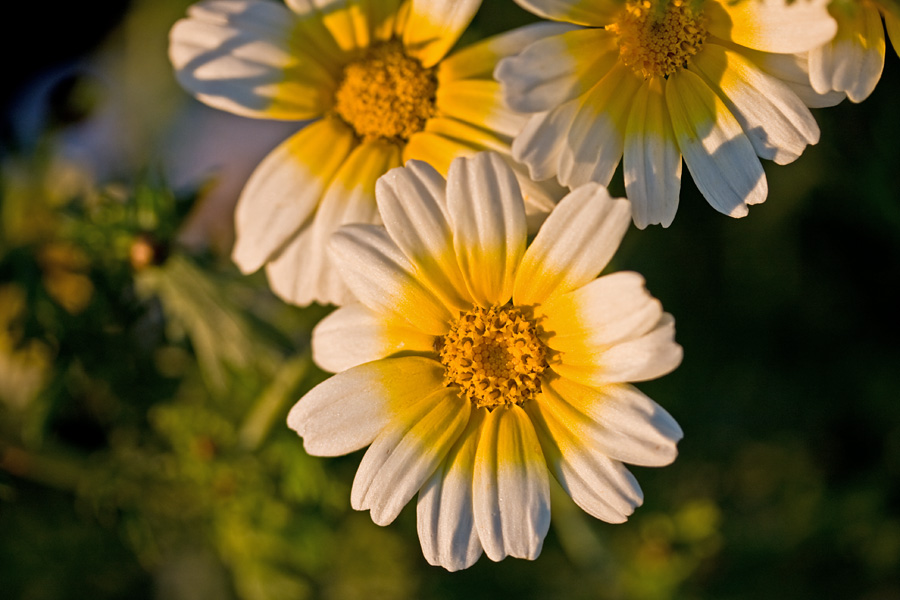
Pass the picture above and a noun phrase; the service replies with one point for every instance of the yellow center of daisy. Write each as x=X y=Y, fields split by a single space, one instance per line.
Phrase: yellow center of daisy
x=494 y=355
x=657 y=39
x=386 y=93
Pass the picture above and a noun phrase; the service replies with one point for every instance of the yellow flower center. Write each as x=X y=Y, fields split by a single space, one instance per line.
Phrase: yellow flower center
x=494 y=355
x=657 y=39
x=386 y=94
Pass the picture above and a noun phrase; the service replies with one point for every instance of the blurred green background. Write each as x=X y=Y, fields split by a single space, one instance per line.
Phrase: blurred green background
x=144 y=382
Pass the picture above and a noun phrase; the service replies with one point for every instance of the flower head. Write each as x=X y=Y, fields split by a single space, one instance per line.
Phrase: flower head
x=852 y=62
x=374 y=81
x=649 y=82
x=473 y=362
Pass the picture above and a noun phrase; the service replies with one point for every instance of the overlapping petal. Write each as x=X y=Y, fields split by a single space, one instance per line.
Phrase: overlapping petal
x=775 y=26
x=775 y=120
x=652 y=160
x=445 y=511
x=853 y=61
x=511 y=490
x=285 y=190
x=487 y=217
x=575 y=243
x=718 y=154
x=237 y=55
x=302 y=273
x=406 y=452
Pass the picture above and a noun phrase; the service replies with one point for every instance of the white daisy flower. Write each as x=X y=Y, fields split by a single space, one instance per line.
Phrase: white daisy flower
x=474 y=363
x=376 y=82
x=716 y=83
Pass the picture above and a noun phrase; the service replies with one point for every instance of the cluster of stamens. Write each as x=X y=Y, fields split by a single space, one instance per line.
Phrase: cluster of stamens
x=494 y=355
x=656 y=38
x=386 y=94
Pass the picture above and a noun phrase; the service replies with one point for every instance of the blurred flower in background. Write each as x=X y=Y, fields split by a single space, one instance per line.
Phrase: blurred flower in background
x=381 y=87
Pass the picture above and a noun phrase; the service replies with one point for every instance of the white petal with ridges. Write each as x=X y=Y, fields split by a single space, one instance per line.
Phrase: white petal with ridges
x=487 y=217
x=853 y=61
x=285 y=189
x=618 y=421
x=780 y=26
x=721 y=159
x=573 y=245
x=542 y=139
x=434 y=26
x=354 y=334
x=347 y=411
x=381 y=277
x=406 y=453
x=596 y=139
x=413 y=207
x=606 y=311
x=652 y=161
x=237 y=55
x=775 y=120
x=444 y=512
x=303 y=273
x=793 y=70
x=512 y=493
x=556 y=69
x=602 y=487
x=642 y=358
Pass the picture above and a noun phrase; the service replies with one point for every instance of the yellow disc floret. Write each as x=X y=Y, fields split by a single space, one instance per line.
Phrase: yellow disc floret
x=494 y=355
x=656 y=38
x=386 y=94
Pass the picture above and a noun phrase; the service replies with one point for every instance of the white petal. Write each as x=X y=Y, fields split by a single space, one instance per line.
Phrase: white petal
x=596 y=139
x=512 y=494
x=345 y=412
x=780 y=26
x=406 y=453
x=775 y=120
x=643 y=358
x=602 y=487
x=237 y=55
x=574 y=244
x=487 y=216
x=285 y=189
x=853 y=61
x=652 y=161
x=434 y=26
x=542 y=139
x=604 y=312
x=616 y=420
x=556 y=69
x=381 y=277
x=413 y=206
x=721 y=159
x=793 y=70
x=303 y=272
x=445 y=513
x=354 y=334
